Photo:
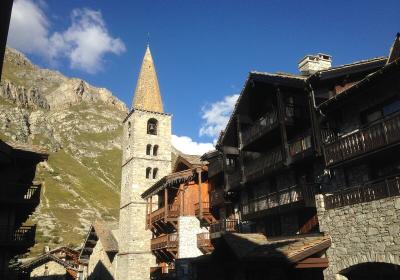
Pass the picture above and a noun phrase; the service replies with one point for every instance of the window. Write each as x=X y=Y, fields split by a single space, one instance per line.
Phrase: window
x=152 y=126
x=155 y=150
x=155 y=171
x=148 y=172
x=148 y=149
x=129 y=129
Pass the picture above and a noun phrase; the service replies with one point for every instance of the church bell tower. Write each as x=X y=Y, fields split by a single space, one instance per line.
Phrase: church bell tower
x=146 y=158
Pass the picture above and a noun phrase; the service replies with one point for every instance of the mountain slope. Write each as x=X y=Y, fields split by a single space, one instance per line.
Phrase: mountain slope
x=81 y=126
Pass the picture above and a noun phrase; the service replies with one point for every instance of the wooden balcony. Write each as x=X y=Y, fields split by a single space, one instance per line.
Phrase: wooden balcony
x=367 y=192
x=20 y=194
x=217 y=198
x=21 y=237
x=163 y=215
x=373 y=137
x=205 y=208
x=167 y=242
x=263 y=165
x=301 y=147
x=223 y=226
x=260 y=127
x=280 y=198
x=215 y=167
x=204 y=242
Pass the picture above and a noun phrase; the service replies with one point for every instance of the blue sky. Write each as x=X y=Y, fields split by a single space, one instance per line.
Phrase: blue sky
x=203 y=50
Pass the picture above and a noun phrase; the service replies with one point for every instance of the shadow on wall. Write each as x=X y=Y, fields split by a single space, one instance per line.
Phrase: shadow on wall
x=372 y=271
x=100 y=272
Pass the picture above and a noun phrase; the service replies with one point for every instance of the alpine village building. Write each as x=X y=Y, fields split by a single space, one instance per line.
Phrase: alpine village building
x=19 y=196
x=303 y=183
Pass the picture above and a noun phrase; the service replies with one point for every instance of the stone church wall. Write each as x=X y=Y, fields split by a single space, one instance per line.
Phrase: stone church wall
x=364 y=232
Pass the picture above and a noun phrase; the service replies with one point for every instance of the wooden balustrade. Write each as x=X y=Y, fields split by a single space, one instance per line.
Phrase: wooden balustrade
x=279 y=198
x=205 y=207
x=20 y=193
x=372 y=137
x=263 y=164
x=161 y=213
x=25 y=235
x=367 y=192
x=166 y=241
x=224 y=225
x=204 y=242
x=299 y=146
x=260 y=127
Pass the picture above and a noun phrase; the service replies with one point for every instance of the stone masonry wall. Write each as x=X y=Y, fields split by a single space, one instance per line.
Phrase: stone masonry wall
x=364 y=232
x=189 y=227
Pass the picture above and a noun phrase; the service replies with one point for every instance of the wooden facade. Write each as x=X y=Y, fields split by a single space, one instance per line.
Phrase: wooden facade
x=19 y=196
x=335 y=132
x=185 y=192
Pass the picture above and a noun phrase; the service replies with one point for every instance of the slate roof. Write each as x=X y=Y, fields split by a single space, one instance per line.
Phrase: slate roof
x=248 y=246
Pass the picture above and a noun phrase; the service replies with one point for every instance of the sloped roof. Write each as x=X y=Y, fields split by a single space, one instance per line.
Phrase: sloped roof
x=42 y=259
x=147 y=93
x=293 y=249
x=24 y=147
x=175 y=178
x=106 y=237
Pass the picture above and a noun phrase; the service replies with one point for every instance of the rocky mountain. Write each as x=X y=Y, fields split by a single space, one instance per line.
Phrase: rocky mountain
x=80 y=125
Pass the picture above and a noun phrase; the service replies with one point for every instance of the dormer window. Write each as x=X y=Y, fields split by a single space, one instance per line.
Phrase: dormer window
x=152 y=126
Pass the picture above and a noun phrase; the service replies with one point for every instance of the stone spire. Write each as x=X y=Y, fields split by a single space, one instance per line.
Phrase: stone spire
x=147 y=94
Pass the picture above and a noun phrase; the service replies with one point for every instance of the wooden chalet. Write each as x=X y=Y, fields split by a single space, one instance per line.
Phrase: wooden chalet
x=332 y=131
x=19 y=196
x=183 y=193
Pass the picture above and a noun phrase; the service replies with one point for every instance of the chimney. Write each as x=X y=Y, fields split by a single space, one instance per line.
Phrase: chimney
x=313 y=63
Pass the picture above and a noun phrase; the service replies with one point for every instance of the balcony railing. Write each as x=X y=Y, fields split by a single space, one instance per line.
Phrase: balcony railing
x=368 y=192
x=222 y=226
x=300 y=147
x=23 y=236
x=204 y=242
x=19 y=193
x=215 y=167
x=263 y=164
x=217 y=197
x=167 y=241
x=372 y=137
x=205 y=207
x=272 y=200
x=160 y=214
x=260 y=127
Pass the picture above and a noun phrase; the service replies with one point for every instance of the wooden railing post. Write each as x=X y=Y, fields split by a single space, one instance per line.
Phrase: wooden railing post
x=200 y=194
x=151 y=210
x=165 y=204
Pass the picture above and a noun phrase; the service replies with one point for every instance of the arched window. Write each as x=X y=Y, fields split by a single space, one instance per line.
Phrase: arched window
x=148 y=149
x=129 y=129
x=155 y=150
x=148 y=172
x=152 y=126
x=155 y=171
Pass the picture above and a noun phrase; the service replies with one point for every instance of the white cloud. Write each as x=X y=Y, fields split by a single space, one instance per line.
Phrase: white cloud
x=84 y=43
x=188 y=146
x=216 y=116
